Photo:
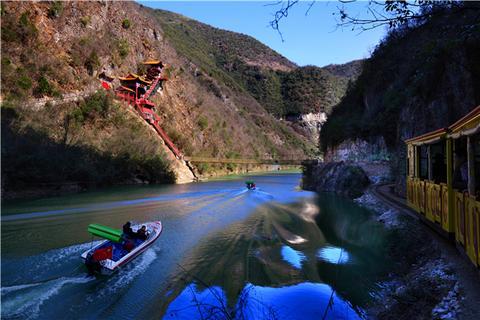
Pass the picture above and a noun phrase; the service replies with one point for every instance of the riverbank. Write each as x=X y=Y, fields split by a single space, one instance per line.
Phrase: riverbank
x=260 y=172
x=60 y=189
x=429 y=279
x=222 y=171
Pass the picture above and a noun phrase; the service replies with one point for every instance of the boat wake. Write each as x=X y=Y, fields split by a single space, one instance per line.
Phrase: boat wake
x=105 y=206
x=54 y=263
x=263 y=194
x=236 y=194
x=24 y=301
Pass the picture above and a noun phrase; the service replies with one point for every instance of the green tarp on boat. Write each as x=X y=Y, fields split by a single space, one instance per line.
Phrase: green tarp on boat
x=105 y=232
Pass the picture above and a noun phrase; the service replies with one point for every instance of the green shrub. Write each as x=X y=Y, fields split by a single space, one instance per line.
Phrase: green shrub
x=203 y=168
x=6 y=63
x=168 y=71
x=202 y=123
x=182 y=142
x=141 y=68
x=8 y=33
x=44 y=87
x=126 y=23
x=55 y=10
x=24 y=82
x=92 y=62
x=123 y=48
x=98 y=103
x=232 y=155
x=85 y=21
x=27 y=30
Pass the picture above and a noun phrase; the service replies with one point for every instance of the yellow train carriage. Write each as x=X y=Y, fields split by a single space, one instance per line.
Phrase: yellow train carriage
x=442 y=169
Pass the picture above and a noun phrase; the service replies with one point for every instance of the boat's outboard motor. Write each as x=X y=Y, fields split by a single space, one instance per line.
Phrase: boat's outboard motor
x=92 y=265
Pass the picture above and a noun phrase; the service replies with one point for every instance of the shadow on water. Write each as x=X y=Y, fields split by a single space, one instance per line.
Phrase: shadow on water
x=312 y=259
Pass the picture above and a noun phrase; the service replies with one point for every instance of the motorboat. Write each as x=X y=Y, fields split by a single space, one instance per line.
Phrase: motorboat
x=250 y=185
x=118 y=249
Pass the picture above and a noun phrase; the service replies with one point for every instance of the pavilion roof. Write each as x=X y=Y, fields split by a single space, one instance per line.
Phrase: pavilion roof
x=152 y=62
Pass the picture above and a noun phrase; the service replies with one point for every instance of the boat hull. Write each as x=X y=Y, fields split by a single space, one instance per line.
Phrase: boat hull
x=110 y=266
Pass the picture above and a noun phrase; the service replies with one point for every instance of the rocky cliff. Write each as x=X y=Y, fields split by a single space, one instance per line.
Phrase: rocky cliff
x=420 y=78
x=337 y=177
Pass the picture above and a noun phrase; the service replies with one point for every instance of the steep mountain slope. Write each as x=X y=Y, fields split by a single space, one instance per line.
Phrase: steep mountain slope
x=349 y=70
x=223 y=98
x=243 y=63
x=418 y=79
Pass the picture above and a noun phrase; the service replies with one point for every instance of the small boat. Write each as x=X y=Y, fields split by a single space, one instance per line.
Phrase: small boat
x=250 y=185
x=117 y=250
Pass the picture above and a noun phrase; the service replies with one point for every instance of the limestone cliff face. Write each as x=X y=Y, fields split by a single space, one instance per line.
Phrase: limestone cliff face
x=418 y=79
x=359 y=150
x=312 y=123
x=337 y=177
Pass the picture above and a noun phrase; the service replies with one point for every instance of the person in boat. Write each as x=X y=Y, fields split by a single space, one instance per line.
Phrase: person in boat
x=127 y=230
x=142 y=233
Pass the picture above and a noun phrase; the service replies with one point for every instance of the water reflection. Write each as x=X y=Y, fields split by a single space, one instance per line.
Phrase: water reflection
x=300 y=301
x=333 y=254
x=285 y=261
x=195 y=303
x=293 y=256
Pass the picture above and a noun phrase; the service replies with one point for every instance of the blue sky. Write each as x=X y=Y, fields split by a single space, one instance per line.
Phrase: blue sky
x=308 y=39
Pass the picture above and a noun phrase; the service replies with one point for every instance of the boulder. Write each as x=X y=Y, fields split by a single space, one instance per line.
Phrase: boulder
x=338 y=177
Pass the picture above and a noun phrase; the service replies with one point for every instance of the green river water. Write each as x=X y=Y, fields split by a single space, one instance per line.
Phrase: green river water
x=226 y=252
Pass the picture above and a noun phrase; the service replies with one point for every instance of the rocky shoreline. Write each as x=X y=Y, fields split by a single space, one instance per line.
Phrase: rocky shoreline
x=422 y=283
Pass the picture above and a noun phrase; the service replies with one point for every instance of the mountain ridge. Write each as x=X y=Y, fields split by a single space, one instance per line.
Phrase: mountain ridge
x=55 y=50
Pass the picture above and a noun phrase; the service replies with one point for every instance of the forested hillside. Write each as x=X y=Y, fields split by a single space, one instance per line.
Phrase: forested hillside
x=421 y=77
x=243 y=63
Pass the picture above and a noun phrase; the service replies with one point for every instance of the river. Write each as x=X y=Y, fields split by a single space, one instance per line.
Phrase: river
x=277 y=252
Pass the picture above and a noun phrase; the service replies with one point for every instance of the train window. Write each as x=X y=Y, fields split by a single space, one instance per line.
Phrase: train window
x=411 y=160
x=439 y=163
x=460 y=167
x=423 y=162
x=476 y=150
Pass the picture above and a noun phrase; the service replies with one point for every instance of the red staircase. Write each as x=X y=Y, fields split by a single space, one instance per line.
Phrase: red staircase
x=154 y=86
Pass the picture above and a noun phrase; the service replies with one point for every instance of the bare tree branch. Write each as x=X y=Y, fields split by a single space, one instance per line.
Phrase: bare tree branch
x=309 y=7
x=281 y=14
x=391 y=13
